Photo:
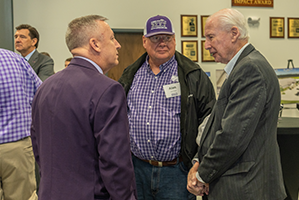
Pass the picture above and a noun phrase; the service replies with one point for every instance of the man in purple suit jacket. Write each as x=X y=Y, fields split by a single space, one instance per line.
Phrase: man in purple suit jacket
x=80 y=130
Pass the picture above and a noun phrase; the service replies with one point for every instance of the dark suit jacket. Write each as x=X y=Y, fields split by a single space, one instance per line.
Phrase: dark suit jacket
x=238 y=151
x=42 y=65
x=80 y=136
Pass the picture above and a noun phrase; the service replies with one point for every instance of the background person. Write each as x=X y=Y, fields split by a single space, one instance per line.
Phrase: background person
x=26 y=42
x=67 y=62
x=238 y=153
x=80 y=131
x=18 y=86
x=168 y=96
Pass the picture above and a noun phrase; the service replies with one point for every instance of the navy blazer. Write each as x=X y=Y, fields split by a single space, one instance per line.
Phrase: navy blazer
x=239 y=155
x=80 y=136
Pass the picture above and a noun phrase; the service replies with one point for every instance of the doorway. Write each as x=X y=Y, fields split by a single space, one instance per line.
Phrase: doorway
x=131 y=49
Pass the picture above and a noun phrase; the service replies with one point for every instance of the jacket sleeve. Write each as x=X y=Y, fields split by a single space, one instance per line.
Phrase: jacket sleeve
x=205 y=96
x=113 y=144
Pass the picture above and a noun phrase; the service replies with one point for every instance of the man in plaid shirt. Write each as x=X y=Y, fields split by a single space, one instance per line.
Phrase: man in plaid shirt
x=18 y=84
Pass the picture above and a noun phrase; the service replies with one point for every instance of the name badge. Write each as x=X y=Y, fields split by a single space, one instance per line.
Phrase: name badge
x=172 y=90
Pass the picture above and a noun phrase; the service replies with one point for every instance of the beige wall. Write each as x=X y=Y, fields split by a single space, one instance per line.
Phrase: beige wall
x=51 y=19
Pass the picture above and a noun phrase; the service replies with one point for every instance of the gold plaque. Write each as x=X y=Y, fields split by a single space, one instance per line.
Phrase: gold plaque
x=203 y=24
x=276 y=27
x=189 y=25
x=205 y=54
x=293 y=27
x=190 y=50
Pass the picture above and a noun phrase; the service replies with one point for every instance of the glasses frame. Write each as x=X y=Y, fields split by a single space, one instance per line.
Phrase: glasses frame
x=163 y=37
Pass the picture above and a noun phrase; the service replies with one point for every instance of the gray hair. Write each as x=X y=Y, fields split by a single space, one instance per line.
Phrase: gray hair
x=228 y=18
x=81 y=29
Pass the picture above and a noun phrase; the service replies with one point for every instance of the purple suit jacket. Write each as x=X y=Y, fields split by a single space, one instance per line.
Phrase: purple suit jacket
x=80 y=136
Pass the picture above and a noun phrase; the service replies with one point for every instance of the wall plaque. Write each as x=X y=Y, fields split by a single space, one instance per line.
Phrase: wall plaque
x=189 y=25
x=205 y=54
x=276 y=27
x=203 y=24
x=190 y=50
x=293 y=27
x=253 y=3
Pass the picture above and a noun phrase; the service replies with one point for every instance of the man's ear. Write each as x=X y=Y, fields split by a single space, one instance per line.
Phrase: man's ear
x=144 y=41
x=34 y=41
x=95 y=44
x=235 y=33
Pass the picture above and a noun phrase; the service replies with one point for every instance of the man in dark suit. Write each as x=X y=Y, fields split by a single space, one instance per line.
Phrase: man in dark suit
x=80 y=131
x=26 y=42
x=238 y=152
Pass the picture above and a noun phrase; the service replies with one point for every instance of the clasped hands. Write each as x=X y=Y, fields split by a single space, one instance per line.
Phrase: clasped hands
x=194 y=186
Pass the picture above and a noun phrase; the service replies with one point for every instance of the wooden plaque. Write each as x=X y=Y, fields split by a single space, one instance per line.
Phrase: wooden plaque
x=189 y=25
x=276 y=27
x=253 y=3
x=190 y=50
x=293 y=27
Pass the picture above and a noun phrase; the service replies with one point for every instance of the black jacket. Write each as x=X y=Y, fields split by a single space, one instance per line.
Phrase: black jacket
x=197 y=99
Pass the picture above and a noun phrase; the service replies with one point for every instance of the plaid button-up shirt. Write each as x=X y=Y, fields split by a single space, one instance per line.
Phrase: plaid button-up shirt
x=154 y=119
x=18 y=84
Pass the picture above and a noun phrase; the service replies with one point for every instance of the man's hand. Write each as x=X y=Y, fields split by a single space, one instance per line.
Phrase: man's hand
x=194 y=186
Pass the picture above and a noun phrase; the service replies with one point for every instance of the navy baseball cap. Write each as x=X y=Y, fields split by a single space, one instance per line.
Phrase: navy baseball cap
x=158 y=25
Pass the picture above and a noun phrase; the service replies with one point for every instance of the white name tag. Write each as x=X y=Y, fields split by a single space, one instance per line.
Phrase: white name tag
x=172 y=90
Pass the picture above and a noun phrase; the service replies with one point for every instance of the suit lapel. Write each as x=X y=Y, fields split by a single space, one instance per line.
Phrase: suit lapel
x=33 y=59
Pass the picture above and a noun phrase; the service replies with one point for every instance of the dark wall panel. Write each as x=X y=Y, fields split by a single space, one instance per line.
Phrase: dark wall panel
x=6 y=25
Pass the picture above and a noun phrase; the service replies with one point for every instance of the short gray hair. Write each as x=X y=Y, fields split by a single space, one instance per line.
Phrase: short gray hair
x=81 y=29
x=228 y=18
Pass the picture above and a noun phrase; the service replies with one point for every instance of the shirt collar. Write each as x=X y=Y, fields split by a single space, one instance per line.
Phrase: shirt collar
x=29 y=55
x=165 y=65
x=230 y=65
x=93 y=63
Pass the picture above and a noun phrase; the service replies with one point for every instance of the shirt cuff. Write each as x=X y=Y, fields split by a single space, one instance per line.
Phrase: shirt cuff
x=194 y=160
x=199 y=178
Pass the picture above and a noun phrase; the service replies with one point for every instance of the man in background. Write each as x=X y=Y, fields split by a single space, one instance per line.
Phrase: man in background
x=18 y=86
x=67 y=62
x=168 y=97
x=238 y=151
x=26 y=42
x=80 y=130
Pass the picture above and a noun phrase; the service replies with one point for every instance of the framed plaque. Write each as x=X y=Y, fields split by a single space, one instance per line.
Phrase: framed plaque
x=203 y=24
x=276 y=27
x=205 y=54
x=293 y=27
x=253 y=3
x=189 y=25
x=190 y=50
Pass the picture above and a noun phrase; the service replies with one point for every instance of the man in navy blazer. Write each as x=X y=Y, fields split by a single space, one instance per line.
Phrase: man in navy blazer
x=26 y=42
x=80 y=132
x=238 y=151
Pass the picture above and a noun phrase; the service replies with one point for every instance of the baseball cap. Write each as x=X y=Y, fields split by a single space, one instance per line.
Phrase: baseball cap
x=158 y=25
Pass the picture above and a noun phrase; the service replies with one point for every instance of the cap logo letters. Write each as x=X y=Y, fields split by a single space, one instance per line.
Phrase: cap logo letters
x=158 y=24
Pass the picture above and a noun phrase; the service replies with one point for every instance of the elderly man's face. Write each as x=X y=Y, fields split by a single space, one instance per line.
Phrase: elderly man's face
x=219 y=42
x=162 y=50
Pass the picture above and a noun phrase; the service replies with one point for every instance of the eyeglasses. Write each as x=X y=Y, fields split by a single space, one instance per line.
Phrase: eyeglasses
x=157 y=38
